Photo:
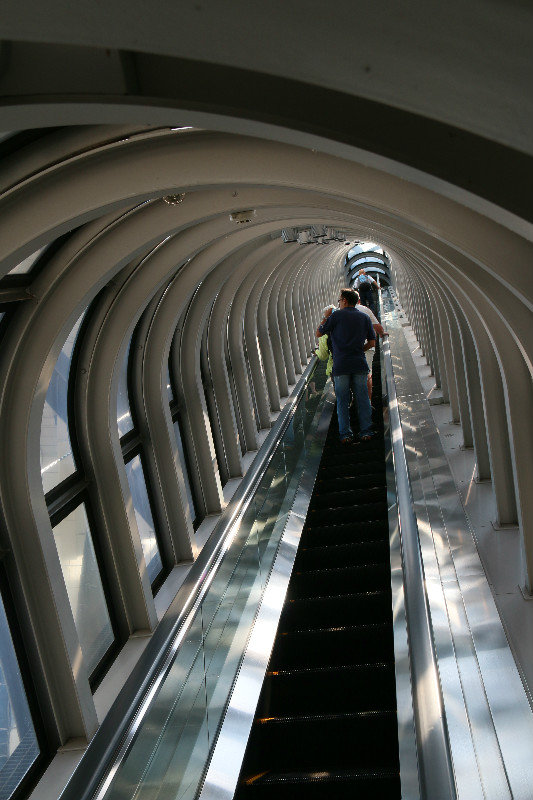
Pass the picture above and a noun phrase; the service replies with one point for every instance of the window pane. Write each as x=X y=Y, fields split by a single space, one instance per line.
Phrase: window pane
x=84 y=586
x=57 y=461
x=124 y=420
x=143 y=514
x=364 y=247
x=28 y=263
x=18 y=743
x=183 y=462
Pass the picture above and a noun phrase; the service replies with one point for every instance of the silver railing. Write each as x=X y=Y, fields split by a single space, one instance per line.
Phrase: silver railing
x=119 y=730
x=435 y=767
x=222 y=773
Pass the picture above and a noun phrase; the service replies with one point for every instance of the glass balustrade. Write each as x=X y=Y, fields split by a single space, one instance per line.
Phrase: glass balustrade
x=172 y=744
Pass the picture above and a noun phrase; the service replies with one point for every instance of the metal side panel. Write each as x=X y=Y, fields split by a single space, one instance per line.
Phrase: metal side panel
x=120 y=727
x=435 y=766
x=409 y=776
x=489 y=718
x=223 y=772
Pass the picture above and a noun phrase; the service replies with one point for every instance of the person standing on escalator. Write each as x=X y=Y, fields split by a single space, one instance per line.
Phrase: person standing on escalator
x=323 y=351
x=365 y=286
x=350 y=334
x=378 y=328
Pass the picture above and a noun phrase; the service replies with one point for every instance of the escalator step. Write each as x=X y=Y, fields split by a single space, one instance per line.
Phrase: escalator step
x=360 y=644
x=342 y=580
x=342 y=483
x=313 y=785
x=352 y=456
x=338 y=470
x=323 y=612
x=339 y=555
x=362 y=513
x=327 y=724
x=357 y=453
x=326 y=742
x=351 y=497
x=333 y=690
x=333 y=433
x=320 y=535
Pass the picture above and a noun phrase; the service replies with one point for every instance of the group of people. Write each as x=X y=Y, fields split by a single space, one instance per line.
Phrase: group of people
x=347 y=336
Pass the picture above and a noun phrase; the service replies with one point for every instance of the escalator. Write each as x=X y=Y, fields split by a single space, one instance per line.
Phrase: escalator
x=326 y=721
x=302 y=554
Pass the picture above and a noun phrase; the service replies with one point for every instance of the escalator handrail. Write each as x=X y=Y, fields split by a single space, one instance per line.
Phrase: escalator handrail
x=114 y=738
x=436 y=774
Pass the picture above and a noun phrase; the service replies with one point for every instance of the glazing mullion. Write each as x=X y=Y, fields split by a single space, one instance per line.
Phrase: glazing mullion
x=133 y=450
x=177 y=426
x=183 y=450
x=68 y=505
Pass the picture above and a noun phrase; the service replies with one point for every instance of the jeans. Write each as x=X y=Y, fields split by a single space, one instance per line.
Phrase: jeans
x=357 y=382
x=368 y=301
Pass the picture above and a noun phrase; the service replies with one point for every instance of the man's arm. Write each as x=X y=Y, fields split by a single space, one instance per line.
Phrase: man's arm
x=325 y=325
x=370 y=335
x=378 y=328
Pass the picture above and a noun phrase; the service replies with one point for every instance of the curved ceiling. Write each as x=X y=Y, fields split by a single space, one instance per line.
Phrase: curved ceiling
x=400 y=124
x=475 y=56
x=437 y=96
x=109 y=183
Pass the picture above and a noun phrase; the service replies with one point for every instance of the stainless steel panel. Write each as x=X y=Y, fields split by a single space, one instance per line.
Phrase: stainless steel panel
x=226 y=760
x=489 y=718
x=111 y=744
x=402 y=665
x=435 y=766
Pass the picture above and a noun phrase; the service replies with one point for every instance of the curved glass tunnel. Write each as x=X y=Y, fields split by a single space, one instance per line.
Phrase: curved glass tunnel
x=182 y=193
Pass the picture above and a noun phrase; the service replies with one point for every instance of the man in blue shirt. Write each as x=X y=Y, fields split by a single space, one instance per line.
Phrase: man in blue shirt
x=350 y=334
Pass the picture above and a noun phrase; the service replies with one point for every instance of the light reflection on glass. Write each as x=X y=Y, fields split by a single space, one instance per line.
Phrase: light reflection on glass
x=170 y=393
x=18 y=743
x=124 y=419
x=57 y=461
x=84 y=586
x=181 y=453
x=143 y=515
x=173 y=738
